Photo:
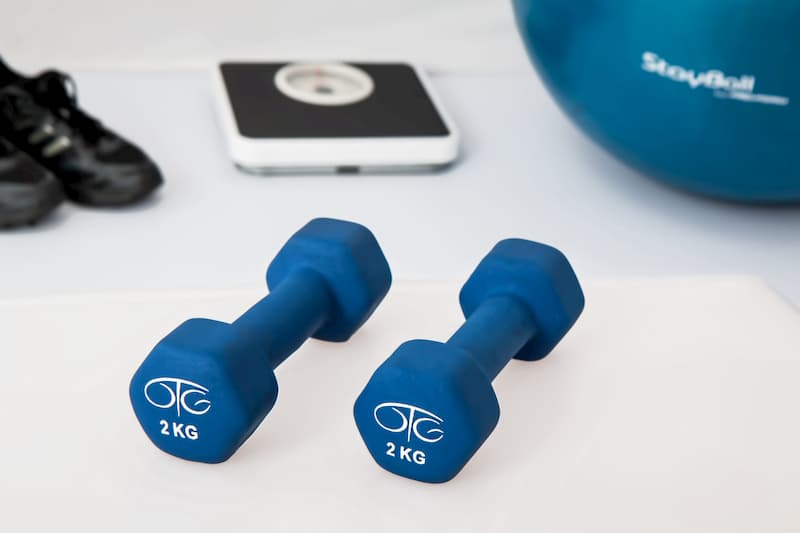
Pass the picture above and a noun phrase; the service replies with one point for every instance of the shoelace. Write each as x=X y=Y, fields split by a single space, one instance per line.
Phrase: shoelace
x=28 y=118
x=58 y=91
x=21 y=110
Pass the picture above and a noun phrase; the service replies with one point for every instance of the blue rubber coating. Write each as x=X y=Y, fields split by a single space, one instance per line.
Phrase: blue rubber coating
x=495 y=332
x=350 y=258
x=429 y=407
x=696 y=93
x=297 y=308
x=540 y=277
x=207 y=385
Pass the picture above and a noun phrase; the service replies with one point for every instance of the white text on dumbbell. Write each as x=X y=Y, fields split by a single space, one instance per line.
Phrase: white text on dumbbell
x=180 y=431
x=405 y=454
x=183 y=395
x=409 y=419
x=412 y=421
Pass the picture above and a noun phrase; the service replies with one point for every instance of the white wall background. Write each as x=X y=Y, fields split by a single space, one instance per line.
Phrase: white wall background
x=443 y=35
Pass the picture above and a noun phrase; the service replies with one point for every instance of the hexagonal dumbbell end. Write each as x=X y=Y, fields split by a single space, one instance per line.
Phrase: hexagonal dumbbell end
x=208 y=385
x=430 y=406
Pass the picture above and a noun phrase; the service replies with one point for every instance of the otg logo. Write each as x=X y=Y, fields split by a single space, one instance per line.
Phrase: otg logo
x=180 y=394
x=409 y=419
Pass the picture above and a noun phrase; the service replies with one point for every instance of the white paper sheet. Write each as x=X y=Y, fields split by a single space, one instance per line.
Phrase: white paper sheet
x=672 y=406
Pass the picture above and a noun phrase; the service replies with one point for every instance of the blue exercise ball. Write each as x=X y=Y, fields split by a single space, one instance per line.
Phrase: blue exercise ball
x=702 y=94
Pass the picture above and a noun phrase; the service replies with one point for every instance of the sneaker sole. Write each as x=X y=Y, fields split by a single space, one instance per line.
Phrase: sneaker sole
x=11 y=216
x=116 y=197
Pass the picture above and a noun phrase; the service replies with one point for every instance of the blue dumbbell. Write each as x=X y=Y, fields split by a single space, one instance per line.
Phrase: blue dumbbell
x=429 y=407
x=208 y=385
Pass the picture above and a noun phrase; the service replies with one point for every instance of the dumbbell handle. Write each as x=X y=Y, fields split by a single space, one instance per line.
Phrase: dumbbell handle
x=495 y=332
x=291 y=313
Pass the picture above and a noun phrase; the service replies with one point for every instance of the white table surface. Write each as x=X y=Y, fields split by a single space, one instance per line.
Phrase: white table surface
x=525 y=172
x=670 y=407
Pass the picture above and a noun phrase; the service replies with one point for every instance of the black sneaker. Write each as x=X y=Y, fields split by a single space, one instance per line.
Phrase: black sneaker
x=28 y=192
x=40 y=115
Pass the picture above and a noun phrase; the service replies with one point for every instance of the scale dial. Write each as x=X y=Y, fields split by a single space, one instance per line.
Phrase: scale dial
x=328 y=84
